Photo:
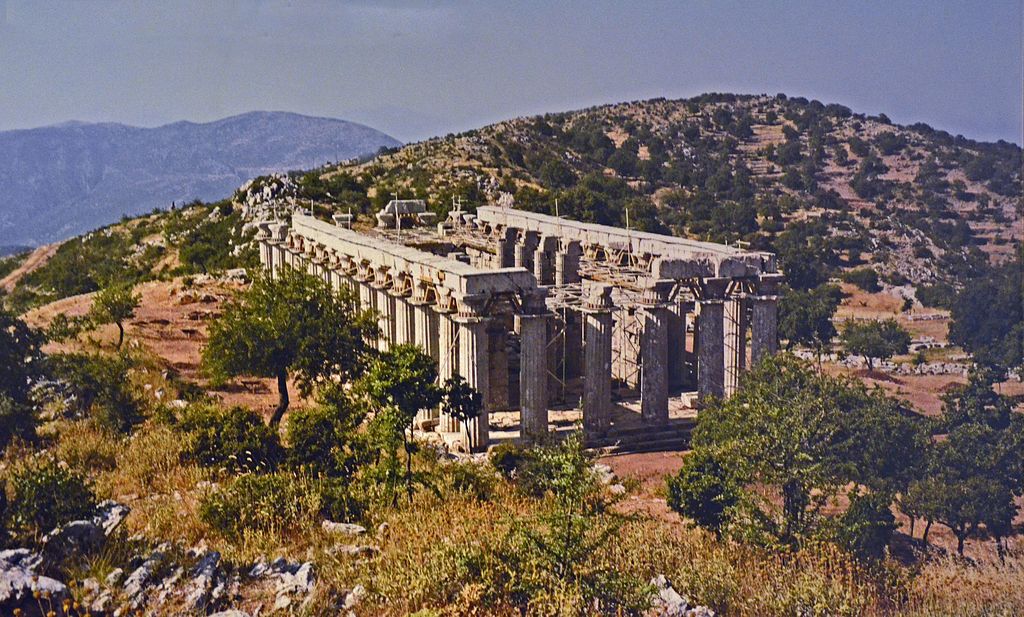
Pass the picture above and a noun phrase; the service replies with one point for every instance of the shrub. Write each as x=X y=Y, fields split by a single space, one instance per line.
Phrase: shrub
x=939 y=295
x=16 y=420
x=232 y=438
x=866 y=527
x=45 y=494
x=864 y=278
x=268 y=502
x=703 y=491
x=323 y=439
x=100 y=388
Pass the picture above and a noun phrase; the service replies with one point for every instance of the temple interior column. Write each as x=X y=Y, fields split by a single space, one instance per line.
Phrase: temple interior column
x=735 y=341
x=497 y=345
x=597 y=372
x=567 y=263
x=386 y=318
x=676 y=344
x=405 y=326
x=654 y=355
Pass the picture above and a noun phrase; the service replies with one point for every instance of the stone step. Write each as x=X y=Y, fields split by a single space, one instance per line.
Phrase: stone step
x=672 y=444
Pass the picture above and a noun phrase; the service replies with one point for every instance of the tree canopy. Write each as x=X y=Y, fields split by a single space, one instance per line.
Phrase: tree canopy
x=295 y=324
x=875 y=339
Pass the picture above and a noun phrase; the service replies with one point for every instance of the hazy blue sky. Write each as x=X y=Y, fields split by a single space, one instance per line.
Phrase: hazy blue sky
x=419 y=68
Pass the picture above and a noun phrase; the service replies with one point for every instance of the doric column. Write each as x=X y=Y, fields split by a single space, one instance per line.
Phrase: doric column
x=523 y=252
x=567 y=263
x=654 y=354
x=533 y=379
x=386 y=316
x=474 y=364
x=735 y=338
x=711 y=359
x=764 y=334
x=448 y=360
x=677 y=344
x=506 y=247
x=425 y=328
x=597 y=362
x=405 y=326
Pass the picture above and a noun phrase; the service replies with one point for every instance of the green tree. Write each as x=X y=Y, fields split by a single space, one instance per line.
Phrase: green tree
x=875 y=339
x=703 y=491
x=462 y=402
x=988 y=316
x=400 y=382
x=976 y=471
x=21 y=359
x=805 y=317
x=114 y=304
x=791 y=438
x=295 y=324
x=100 y=387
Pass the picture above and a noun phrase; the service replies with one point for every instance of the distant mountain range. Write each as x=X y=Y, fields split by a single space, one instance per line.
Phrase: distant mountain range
x=62 y=180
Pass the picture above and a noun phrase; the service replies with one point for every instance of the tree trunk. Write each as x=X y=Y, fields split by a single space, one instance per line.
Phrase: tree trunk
x=871 y=365
x=282 y=404
x=960 y=544
x=912 y=521
x=120 y=335
x=408 y=465
x=927 y=528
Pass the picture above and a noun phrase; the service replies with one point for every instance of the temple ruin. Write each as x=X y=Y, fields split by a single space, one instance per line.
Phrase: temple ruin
x=630 y=331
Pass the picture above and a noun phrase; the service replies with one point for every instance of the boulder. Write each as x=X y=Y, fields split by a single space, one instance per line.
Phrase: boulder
x=204 y=578
x=19 y=582
x=139 y=581
x=344 y=528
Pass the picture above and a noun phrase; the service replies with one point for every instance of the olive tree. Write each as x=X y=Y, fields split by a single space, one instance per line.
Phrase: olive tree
x=875 y=339
x=114 y=304
x=295 y=324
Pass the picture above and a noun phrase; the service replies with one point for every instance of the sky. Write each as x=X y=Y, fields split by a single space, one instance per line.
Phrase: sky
x=418 y=69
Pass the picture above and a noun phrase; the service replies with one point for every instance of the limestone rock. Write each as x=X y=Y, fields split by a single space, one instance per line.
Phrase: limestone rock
x=139 y=581
x=19 y=581
x=198 y=590
x=354 y=597
x=345 y=528
x=230 y=613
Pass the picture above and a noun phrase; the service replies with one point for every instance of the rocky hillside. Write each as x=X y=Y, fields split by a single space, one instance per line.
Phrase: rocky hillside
x=915 y=203
x=62 y=180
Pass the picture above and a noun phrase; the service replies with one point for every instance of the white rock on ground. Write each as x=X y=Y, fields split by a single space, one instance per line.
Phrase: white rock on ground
x=346 y=528
x=19 y=581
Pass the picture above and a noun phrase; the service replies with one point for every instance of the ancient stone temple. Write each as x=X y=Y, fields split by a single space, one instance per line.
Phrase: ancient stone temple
x=623 y=332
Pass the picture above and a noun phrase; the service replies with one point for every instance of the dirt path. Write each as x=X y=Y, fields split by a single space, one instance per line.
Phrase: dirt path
x=35 y=260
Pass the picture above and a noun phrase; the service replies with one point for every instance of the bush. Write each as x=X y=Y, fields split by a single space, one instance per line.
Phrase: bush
x=864 y=278
x=16 y=420
x=323 y=439
x=703 y=491
x=233 y=438
x=939 y=295
x=268 y=502
x=100 y=387
x=866 y=528
x=45 y=494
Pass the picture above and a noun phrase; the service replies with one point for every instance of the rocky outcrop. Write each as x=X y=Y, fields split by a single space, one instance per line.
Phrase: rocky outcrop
x=23 y=589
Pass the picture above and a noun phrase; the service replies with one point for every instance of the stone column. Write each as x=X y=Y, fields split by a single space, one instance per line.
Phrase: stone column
x=506 y=248
x=497 y=362
x=448 y=361
x=405 y=327
x=573 y=343
x=425 y=329
x=474 y=366
x=597 y=361
x=532 y=326
x=386 y=321
x=567 y=263
x=523 y=253
x=764 y=335
x=654 y=354
x=735 y=338
x=711 y=359
x=677 y=344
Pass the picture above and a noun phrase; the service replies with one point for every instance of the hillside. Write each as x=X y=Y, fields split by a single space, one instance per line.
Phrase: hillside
x=62 y=180
x=915 y=202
